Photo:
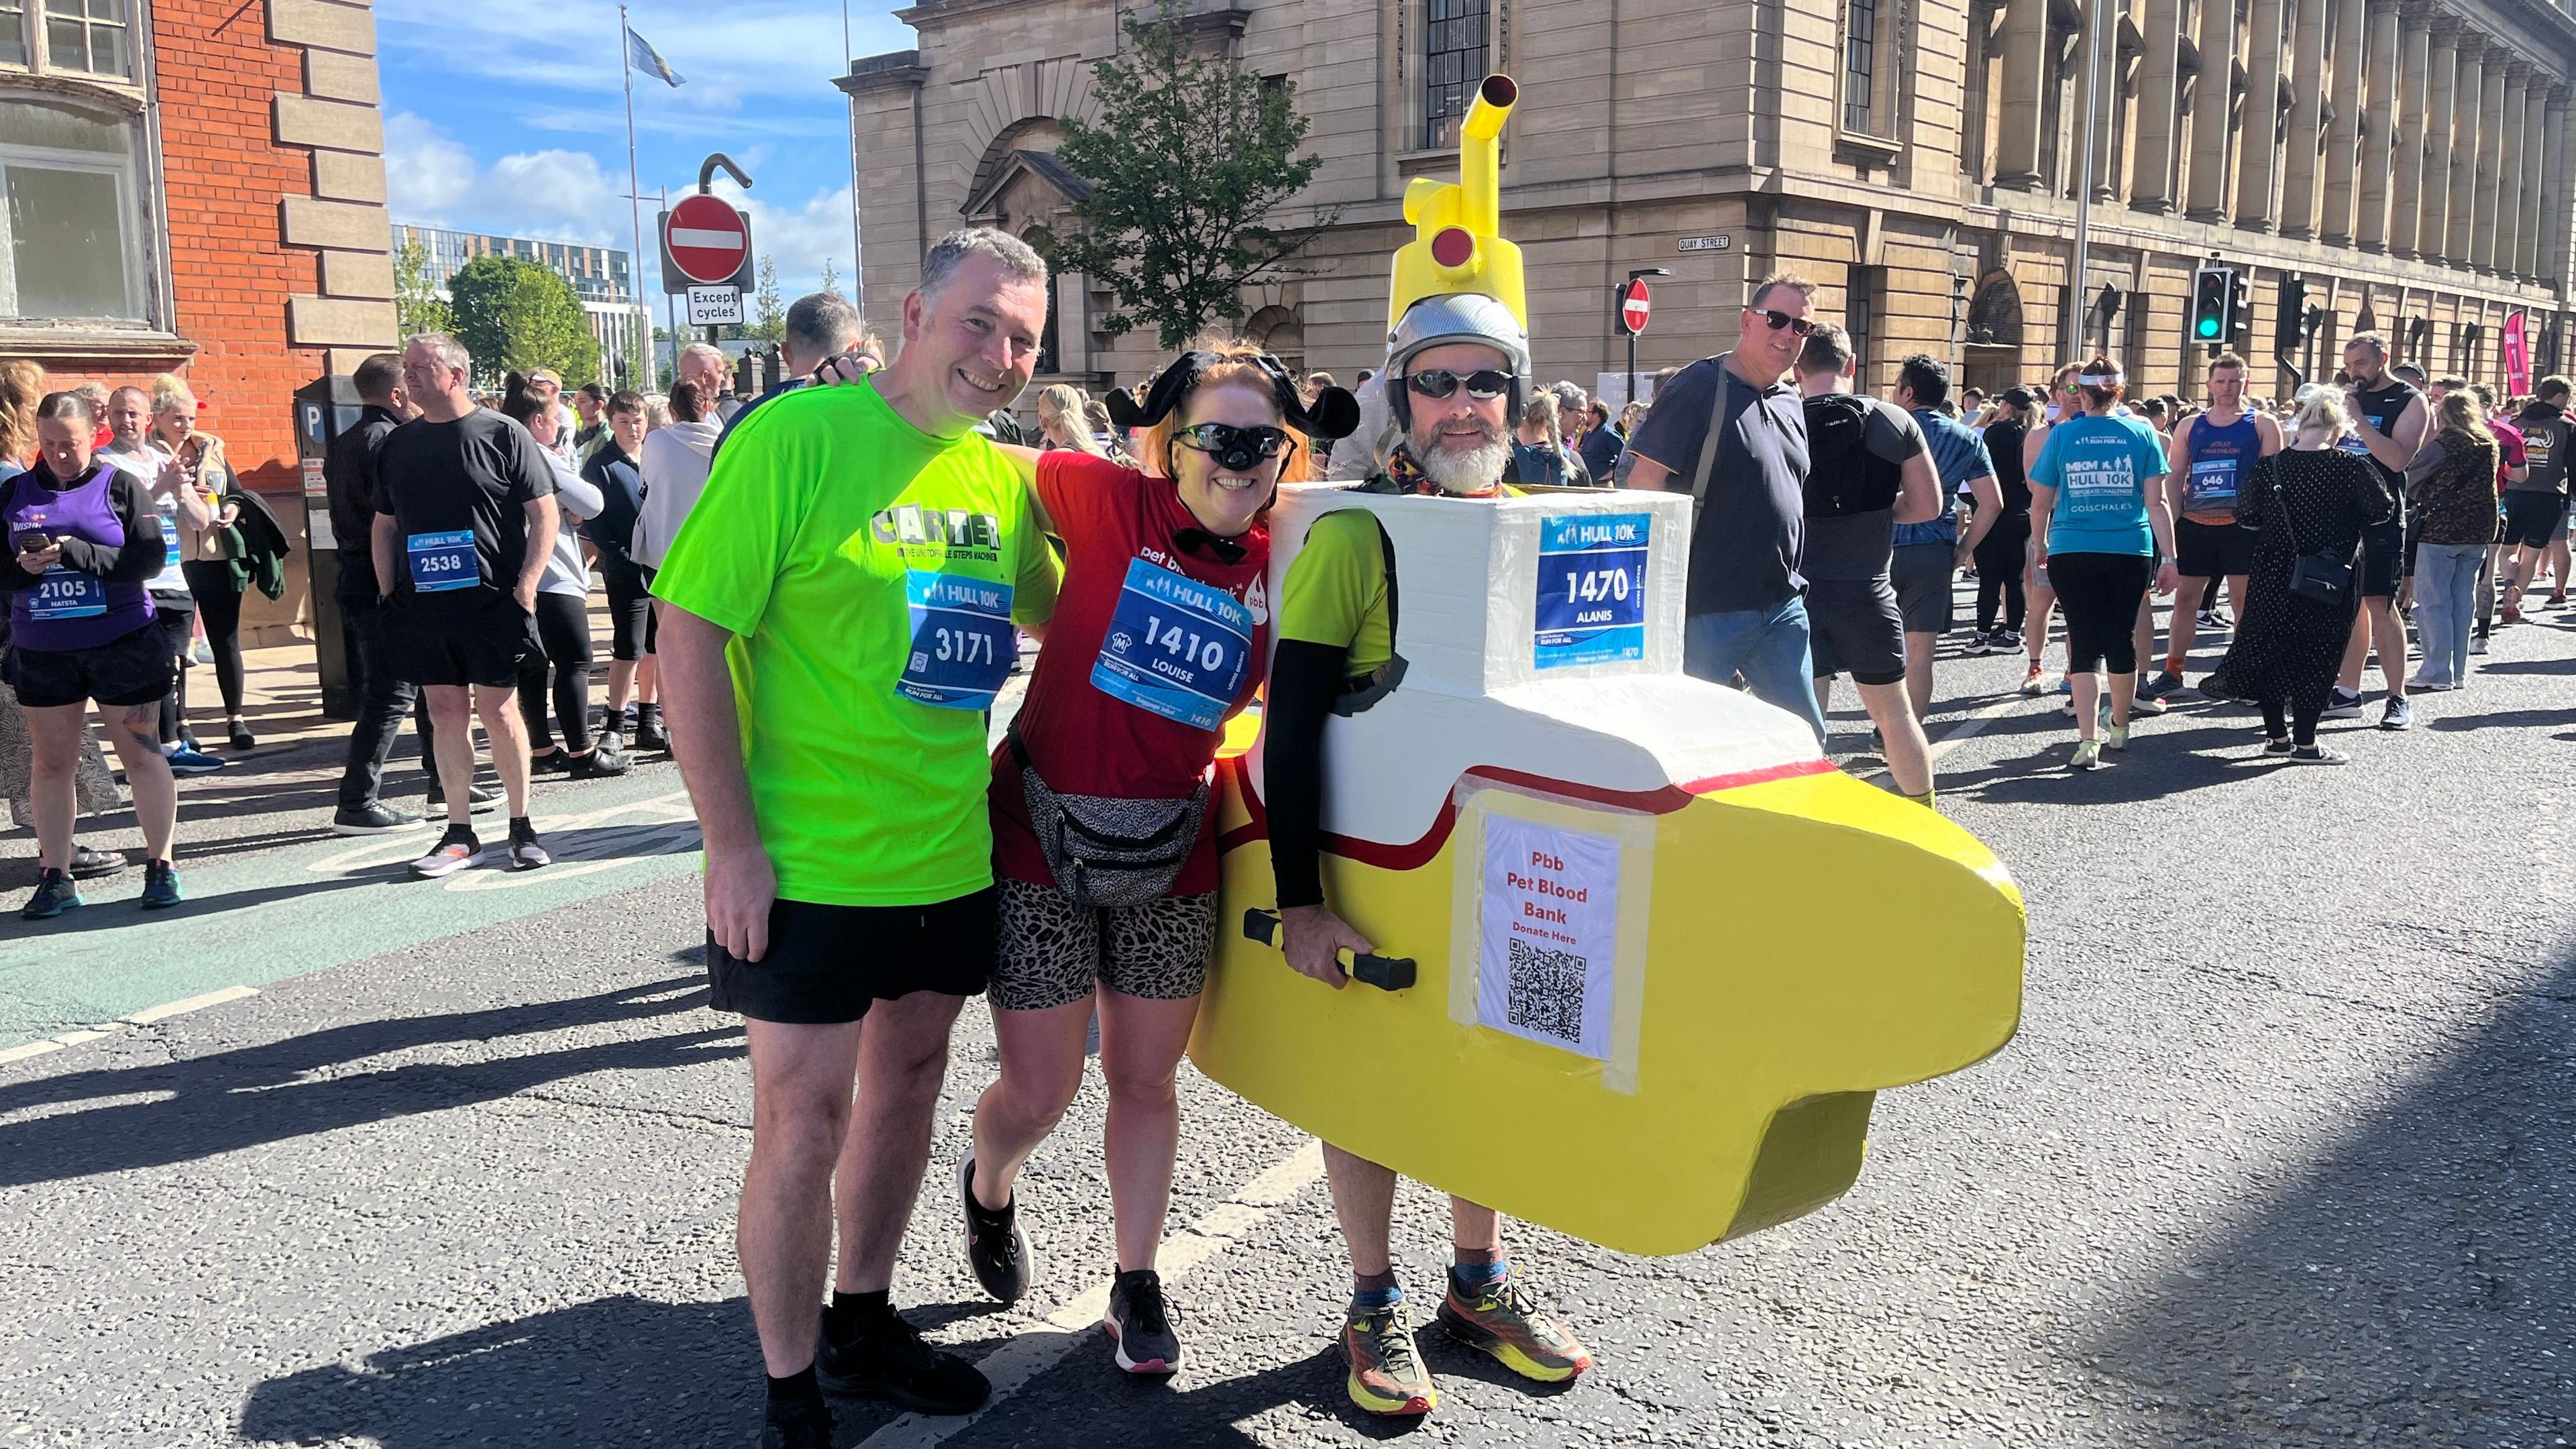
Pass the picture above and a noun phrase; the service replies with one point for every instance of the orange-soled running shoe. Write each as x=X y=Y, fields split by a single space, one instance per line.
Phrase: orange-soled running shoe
x=1387 y=1376
x=1502 y=1319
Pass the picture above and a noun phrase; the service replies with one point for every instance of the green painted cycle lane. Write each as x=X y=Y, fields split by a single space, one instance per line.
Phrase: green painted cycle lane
x=261 y=918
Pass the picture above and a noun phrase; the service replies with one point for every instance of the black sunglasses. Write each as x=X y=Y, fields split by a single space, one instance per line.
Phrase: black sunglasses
x=1440 y=382
x=1233 y=447
x=1778 y=320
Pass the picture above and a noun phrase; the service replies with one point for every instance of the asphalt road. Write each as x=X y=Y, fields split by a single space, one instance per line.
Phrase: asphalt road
x=2285 y=1151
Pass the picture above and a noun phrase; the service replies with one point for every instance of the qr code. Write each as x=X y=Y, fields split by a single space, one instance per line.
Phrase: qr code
x=1545 y=992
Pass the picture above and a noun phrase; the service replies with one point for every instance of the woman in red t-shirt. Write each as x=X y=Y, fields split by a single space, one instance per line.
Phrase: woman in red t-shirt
x=1103 y=840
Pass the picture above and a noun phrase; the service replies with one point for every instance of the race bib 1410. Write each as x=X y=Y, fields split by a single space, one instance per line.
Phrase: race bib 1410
x=962 y=645
x=1175 y=647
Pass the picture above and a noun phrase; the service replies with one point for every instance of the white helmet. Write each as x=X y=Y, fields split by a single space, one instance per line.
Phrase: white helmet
x=1456 y=317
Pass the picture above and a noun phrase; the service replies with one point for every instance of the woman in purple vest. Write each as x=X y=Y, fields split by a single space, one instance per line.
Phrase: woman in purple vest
x=82 y=539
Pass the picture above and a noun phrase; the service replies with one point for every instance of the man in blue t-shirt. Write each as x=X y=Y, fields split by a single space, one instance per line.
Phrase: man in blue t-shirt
x=1930 y=555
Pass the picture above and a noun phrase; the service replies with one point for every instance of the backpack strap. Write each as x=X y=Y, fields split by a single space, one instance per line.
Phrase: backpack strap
x=1708 y=444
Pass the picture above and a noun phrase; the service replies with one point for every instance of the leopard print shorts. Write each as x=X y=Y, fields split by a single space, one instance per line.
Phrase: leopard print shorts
x=1053 y=952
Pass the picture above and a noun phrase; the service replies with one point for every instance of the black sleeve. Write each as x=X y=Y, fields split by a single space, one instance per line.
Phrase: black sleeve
x=1305 y=677
x=144 y=549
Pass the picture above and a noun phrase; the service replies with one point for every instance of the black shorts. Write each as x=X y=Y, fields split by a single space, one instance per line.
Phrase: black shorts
x=2383 y=559
x=825 y=964
x=125 y=671
x=2212 y=550
x=1922 y=574
x=483 y=646
x=630 y=606
x=1853 y=626
x=2531 y=519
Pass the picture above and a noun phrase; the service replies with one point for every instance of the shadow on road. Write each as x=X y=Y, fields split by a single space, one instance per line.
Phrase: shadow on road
x=2410 y=1289
x=621 y=1370
x=208 y=1105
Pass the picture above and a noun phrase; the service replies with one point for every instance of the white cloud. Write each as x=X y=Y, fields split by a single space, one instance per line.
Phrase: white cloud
x=559 y=195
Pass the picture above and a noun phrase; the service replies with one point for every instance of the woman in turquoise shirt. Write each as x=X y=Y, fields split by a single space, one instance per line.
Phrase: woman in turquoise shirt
x=2099 y=525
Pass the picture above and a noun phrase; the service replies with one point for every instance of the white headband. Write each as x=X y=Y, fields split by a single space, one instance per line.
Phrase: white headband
x=2095 y=379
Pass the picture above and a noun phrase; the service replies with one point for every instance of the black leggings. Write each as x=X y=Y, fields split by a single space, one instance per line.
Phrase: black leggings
x=177 y=625
x=2098 y=594
x=219 y=599
x=1999 y=565
x=2298 y=721
x=563 y=625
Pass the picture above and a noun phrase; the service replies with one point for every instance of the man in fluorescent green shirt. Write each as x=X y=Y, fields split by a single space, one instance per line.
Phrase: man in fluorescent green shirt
x=836 y=615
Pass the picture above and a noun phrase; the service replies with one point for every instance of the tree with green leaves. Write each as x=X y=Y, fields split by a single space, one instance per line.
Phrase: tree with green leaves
x=418 y=307
x=768 y=309
x=514 y=315
x=1189 y=156
x=831 y=278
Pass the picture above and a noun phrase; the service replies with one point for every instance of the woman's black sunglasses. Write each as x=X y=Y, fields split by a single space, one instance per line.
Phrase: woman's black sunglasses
x=1799 y=325
x=1440 y=382
x=1233 y=447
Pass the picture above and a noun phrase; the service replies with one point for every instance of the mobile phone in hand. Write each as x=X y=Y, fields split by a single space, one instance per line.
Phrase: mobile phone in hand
x=31 y=540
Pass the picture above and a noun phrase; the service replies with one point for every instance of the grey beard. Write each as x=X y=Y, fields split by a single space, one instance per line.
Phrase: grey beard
x=1473 y=471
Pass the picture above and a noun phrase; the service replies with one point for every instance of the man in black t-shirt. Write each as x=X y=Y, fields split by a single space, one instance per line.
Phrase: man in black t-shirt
x=383 y=696
x=464 y=522
x=1745 y=614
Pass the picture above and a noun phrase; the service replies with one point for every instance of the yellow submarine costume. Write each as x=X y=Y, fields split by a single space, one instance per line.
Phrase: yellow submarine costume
x=1654 y=953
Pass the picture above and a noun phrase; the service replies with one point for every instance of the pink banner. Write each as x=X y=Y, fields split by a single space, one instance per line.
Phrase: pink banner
x=2517 y=356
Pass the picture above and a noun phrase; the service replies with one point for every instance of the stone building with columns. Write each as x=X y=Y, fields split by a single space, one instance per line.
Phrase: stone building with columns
x=198 y=186
x=1922 y=159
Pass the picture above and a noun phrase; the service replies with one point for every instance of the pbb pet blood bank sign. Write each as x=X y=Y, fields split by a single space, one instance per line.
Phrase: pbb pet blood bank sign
x=1548 y=941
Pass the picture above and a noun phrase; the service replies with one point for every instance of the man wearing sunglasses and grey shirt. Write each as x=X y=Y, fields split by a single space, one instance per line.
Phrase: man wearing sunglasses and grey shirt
x=1745 y=611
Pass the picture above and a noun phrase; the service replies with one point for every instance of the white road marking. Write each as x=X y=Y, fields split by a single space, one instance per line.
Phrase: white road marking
x=184 y=1005
x=1037 y=1347
x=30 y=1049
x=1973 y=725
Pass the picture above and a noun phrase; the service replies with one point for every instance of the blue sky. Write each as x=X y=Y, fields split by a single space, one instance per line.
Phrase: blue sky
x=508 y=116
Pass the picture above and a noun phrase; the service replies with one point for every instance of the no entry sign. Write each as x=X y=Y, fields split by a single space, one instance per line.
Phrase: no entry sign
x=707 y=240
x=1634 y=305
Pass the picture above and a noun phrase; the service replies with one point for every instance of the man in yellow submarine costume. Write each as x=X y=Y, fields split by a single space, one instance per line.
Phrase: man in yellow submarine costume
x=1644 y=1003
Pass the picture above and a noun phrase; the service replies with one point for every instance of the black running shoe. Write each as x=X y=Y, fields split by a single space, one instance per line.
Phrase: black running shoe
x=600 y=764
x=1139 y=1325
x=376 y=819
x=552 y=762
x=649 y=733
x=797 y=1424
x=887 y=1359
x=995 y=1247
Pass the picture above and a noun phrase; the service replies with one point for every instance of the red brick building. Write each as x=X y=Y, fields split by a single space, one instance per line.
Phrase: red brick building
x=197 y=186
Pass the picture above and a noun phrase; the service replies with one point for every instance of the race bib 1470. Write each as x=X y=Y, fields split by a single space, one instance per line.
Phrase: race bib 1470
x=962 y=645
x=1175 y=647
x=1591 y=589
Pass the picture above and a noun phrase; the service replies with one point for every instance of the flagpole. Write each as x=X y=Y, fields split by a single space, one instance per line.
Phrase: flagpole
x=634 y=199
x=858 y=284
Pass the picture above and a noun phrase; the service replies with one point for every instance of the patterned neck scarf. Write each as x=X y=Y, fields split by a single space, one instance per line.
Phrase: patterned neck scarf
x=1403 y=475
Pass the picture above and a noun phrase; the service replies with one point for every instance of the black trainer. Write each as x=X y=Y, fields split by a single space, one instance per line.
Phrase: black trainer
x=375 y=819
x=1140 y=1326
x=649 y=733
x=995 y=1247
x=797 y=1424
x=887 y=1359
x=600 y=764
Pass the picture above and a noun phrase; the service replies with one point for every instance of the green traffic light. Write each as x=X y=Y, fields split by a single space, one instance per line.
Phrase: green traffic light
x=2208 y=326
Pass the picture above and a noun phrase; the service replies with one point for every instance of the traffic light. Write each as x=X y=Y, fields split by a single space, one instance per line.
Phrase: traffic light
x=2240 y=310
x=2213 y=305
x=2294 y=315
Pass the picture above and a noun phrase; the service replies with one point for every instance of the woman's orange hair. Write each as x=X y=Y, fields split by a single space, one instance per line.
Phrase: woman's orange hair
x=22 y=386
x=1235 y=364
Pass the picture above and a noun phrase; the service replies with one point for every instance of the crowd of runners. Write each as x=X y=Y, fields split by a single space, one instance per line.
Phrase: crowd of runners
x=870 y=544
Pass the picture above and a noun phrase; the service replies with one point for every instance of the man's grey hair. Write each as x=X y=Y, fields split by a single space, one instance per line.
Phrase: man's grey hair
x=822 y=325
x=2377 y=344
x=447 y=349
x=1019 y=263
x=1571 y=400
x=704 y=350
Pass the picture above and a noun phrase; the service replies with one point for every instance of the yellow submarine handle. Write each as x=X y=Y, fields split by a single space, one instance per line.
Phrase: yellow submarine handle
x=1386 y=973
x=1457 y=241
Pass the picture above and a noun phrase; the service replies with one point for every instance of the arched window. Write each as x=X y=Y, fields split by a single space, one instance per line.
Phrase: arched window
x=1278 y=331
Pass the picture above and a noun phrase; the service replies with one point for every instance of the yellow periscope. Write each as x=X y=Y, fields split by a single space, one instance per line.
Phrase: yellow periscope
x=1663 y=953
x=1457 y=241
